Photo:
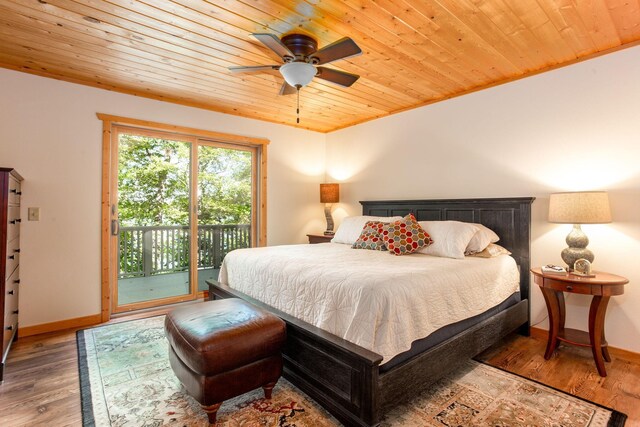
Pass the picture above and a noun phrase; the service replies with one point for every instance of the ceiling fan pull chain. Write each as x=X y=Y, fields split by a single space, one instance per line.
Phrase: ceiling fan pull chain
x=298 y=107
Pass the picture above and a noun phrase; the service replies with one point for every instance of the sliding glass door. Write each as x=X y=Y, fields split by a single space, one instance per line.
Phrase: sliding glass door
x=169 y=188
x=225 y=205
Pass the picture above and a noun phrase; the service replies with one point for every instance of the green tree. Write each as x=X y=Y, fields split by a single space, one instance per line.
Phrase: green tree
x=224 y=186
x=153 y=183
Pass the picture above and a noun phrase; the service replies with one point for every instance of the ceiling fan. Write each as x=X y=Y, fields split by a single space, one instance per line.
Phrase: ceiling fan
x=301 y=58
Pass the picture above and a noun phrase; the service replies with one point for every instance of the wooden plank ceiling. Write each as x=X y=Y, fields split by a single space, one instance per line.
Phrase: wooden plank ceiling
x=414 y=52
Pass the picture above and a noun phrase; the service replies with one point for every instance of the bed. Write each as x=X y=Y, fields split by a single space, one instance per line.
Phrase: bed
x=351 y=381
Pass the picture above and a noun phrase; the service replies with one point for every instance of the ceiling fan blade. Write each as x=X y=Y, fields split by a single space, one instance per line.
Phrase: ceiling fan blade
x=254 y=69
x=338 y=77
x=341 y=49
x=274 y=43
x=287 y=89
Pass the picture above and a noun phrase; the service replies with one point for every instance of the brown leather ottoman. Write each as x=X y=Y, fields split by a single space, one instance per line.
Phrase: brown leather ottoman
x=224 y=348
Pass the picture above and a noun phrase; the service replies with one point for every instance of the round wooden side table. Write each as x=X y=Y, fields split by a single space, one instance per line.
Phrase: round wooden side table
x=603 y=286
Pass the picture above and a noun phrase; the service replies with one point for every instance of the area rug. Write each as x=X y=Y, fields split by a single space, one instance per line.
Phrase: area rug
x=126 y=380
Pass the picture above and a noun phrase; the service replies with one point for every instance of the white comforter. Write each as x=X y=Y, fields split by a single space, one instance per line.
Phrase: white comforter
x=376 y=300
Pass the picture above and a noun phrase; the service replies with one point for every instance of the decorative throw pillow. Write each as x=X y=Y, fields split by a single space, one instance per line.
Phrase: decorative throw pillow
x=405 y=236
x=371 y=237
x=351 y=227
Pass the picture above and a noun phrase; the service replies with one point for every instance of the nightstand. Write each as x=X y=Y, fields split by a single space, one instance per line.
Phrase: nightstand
x=603 y=286
x=319 y=238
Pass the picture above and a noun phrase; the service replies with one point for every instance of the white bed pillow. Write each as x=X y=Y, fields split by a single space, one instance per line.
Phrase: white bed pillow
x=450 y=238
x=483 y=237
x=491 y=251
x=352 y=226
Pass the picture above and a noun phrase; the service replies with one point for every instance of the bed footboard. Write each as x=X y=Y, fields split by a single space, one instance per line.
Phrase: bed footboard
x=339 y=375
x=344 y=378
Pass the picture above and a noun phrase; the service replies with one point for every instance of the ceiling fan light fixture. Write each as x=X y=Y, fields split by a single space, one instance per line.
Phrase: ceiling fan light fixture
x=298 y=74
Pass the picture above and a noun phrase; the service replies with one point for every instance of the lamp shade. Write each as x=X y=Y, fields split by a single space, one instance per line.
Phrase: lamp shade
x=329 y=193
x=588 y=207
x=298 y=74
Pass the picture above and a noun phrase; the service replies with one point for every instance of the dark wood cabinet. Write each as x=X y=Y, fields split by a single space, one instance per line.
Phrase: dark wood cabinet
x=319 y=238
x=10 y=194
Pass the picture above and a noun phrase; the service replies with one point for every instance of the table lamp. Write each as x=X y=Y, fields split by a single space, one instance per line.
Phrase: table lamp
x=587 y=207
x=329 y=193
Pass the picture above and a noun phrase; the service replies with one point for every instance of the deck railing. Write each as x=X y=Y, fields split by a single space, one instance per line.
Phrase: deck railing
x=148 y=251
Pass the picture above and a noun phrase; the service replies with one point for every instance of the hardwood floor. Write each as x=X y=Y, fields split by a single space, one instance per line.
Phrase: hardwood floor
x=573 y=370
x=41 y=377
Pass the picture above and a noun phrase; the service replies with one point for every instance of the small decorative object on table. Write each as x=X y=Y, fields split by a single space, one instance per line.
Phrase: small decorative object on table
x=553 y=269
x=582 y=268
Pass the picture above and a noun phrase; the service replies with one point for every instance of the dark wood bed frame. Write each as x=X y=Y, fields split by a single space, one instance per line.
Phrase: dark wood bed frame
x=345 y=378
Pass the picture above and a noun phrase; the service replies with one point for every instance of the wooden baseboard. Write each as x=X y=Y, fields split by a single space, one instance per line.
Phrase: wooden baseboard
x=539 y=333
x=77 y=322
x=618 y=352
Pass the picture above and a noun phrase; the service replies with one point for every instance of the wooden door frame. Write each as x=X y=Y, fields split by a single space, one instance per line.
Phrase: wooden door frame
x=116 y=131
x=109 y=123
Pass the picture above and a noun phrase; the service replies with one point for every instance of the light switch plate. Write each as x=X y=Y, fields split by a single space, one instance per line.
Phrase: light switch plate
x=34 y=214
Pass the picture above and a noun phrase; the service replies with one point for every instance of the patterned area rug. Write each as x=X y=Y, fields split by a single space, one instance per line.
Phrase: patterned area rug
x=126 y=380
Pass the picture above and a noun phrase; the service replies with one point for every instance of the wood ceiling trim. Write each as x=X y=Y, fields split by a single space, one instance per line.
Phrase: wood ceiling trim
x=50 y=63
x=274 y=86
x=530 y=74
x=167 y=45
x=104 y=68
x=101 y=67
x=183 y=130
x=244 y=35
x=420 y=22
x=415 y=52
x=310 y=120
x=70 y=75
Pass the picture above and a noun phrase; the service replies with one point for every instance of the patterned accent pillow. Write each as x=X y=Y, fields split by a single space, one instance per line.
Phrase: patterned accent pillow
x=371 y=237
x=405 y=236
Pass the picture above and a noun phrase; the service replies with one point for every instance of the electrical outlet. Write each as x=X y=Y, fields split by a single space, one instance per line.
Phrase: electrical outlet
x=34 y=214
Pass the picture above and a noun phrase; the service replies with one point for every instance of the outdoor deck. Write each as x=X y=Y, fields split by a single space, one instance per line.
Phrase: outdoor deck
x=154 y=260
x=138 y=289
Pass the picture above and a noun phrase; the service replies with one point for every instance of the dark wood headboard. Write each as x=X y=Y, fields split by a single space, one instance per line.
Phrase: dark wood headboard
x=510 y=218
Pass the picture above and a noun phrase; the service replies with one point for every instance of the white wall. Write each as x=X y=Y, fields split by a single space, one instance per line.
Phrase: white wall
x=50 y=133
x=575 y=128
